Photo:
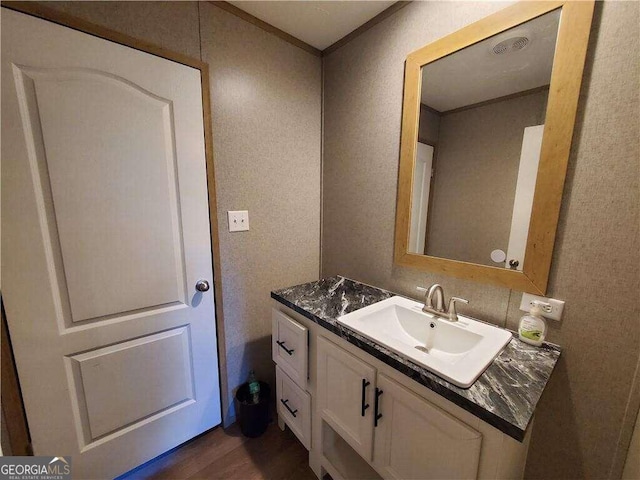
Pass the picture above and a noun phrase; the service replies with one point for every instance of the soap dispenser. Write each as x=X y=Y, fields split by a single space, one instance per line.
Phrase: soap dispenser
x=533 y=328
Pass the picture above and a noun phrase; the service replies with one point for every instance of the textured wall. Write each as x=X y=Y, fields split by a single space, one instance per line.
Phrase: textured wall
x=172 y=25
x=478 y=154
x=596 y=259
x=266 y=100
x=428 y=126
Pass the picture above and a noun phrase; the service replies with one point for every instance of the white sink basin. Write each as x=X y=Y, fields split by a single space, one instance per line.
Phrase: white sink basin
x=457 y=351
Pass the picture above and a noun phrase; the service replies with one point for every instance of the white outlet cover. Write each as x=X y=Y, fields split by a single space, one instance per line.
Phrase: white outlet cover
x=557 y=306
x=238 y=220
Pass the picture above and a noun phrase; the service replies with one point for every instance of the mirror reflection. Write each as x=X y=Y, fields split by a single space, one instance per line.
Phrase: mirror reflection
x=481 y=123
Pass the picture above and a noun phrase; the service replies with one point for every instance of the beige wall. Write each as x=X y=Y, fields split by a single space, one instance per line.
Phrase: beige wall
x=595 y=265
x=428 y=126
x=172 y=25
x=476 y=170
x=266 y=99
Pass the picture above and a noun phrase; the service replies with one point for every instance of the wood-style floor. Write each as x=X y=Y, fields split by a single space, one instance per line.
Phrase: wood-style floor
x=227 y=454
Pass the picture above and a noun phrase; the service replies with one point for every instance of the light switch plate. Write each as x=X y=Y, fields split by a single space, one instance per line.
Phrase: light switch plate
x=553 y=313
x=238 y=220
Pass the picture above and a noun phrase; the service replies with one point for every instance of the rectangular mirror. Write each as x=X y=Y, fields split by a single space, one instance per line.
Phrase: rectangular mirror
x=487 y=126
x=480 y=130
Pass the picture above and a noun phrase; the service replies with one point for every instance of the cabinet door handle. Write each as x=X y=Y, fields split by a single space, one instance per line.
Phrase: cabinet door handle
x=288 y=350
x=377 y=416
x=286 y=405
x=364 y=405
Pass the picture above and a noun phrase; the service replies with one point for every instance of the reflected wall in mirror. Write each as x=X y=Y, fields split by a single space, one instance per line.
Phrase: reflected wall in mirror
x=480 y=131
x=488 y=118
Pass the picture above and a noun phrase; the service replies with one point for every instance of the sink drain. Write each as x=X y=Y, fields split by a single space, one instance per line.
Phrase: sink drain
x=422 y=349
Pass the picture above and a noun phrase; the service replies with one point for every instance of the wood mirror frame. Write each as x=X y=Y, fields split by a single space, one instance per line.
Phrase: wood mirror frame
x=566 y=78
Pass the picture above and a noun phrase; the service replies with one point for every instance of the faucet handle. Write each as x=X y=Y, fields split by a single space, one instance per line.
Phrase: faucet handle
x=422 y=289
x=453 y=315
x=458 y=299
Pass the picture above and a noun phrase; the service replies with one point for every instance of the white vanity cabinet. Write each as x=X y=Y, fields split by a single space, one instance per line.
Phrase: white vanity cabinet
x=418 y=434
x=403 y=435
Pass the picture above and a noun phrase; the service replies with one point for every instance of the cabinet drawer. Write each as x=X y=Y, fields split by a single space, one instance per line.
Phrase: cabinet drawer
x=294 y=407
x=290 y=347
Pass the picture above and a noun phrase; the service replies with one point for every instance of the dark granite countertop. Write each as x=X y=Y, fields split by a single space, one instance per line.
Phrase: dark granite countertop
x=504 y=396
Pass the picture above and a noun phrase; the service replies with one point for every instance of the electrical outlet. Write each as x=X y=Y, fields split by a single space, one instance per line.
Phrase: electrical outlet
x=238 y=220
x=553 y=312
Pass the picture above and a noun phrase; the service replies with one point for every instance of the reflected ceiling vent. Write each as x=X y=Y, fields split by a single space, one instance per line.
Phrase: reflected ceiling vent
x=510 y=45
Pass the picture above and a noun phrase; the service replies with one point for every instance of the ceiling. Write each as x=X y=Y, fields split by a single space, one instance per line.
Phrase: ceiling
x=319 y=24
x=476 y=74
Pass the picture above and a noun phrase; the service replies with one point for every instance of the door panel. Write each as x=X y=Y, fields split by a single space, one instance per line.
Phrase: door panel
x=414 y=439
x=118 y=255
x=158 y=369
x=105 y=232
x=340 y=387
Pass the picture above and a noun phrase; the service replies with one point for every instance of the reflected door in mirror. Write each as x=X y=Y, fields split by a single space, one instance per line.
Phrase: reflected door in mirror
x=422 y=174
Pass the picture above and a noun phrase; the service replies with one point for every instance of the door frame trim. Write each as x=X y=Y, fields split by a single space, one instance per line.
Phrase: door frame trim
x=13 y=414
x=45 y=13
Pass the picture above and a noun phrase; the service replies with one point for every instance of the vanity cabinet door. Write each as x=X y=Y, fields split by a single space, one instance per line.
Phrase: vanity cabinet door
x=414 y=439
x=342 y=379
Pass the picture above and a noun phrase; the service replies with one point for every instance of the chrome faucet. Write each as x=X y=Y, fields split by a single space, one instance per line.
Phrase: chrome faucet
x=436 y=292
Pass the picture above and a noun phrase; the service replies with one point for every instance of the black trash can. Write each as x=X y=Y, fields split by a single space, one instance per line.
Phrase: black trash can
x=254 y=417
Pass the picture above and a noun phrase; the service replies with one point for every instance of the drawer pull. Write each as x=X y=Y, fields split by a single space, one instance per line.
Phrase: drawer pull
x=289 y=351
x=377 y=416
x=364 y=405
x=286 y=405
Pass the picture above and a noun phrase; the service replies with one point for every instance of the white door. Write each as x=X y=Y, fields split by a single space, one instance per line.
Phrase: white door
x=523 y=200
x=105 y=232
x=346 y=395
x=420 y=198
x=416 y=440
